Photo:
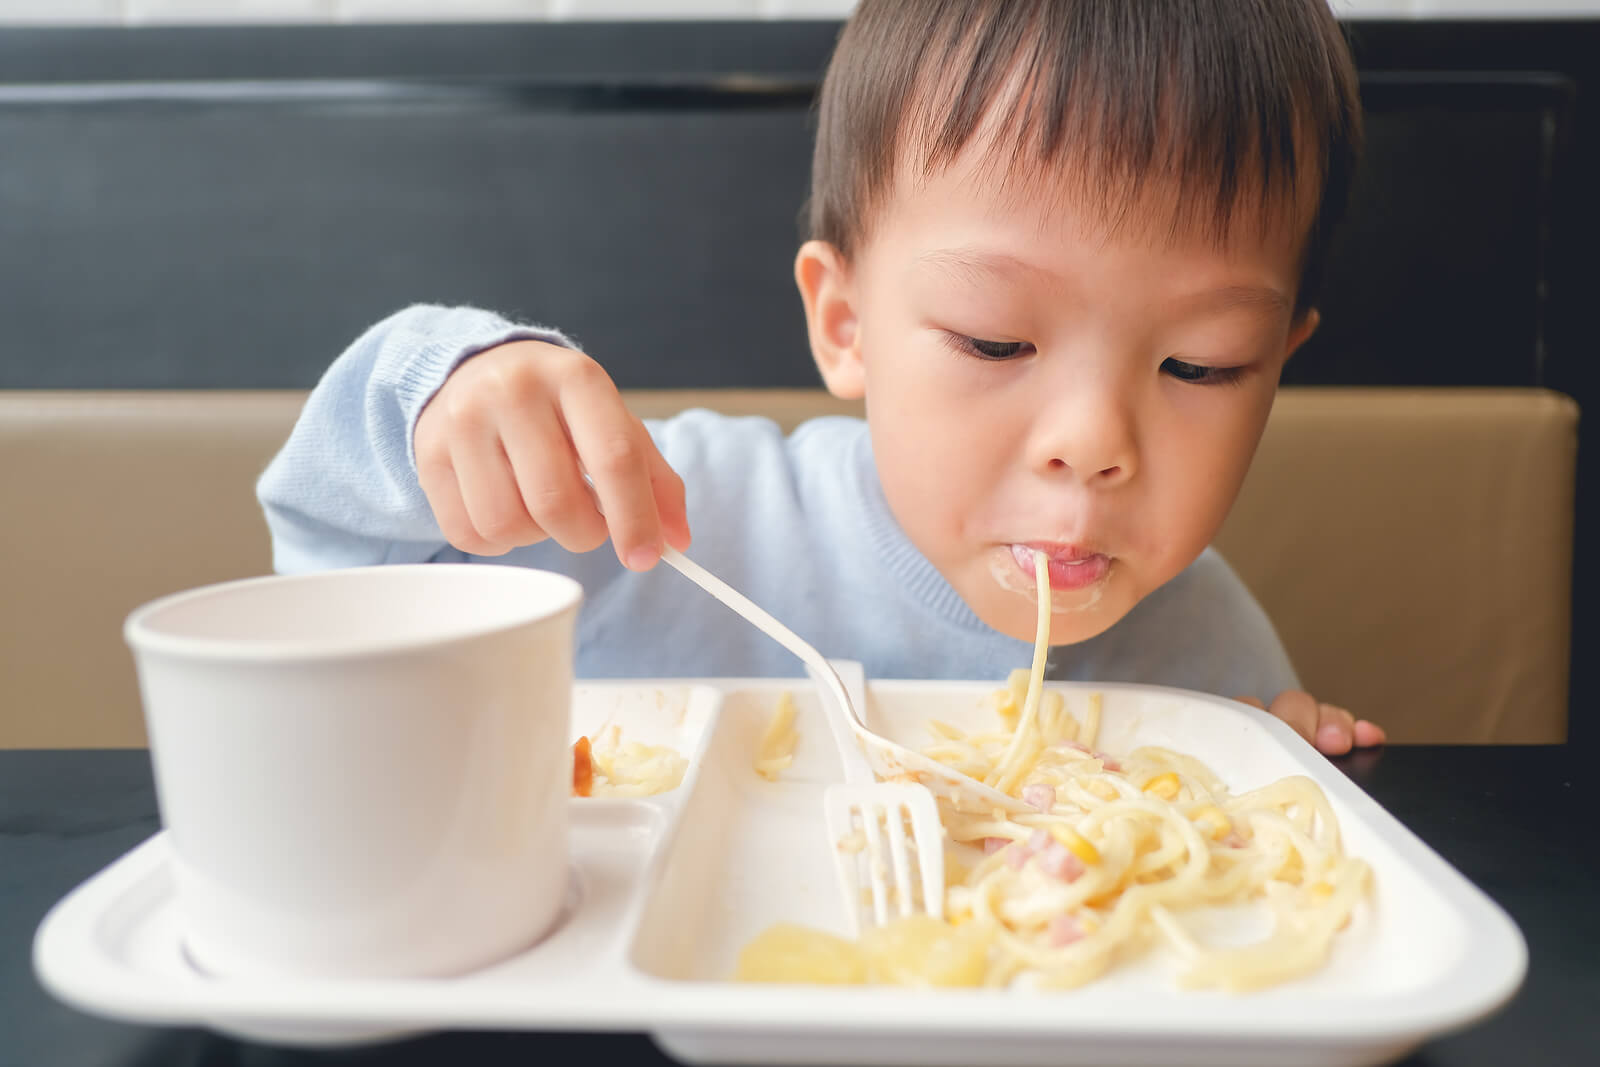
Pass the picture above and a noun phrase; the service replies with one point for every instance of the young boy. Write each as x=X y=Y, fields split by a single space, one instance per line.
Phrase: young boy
x=1061 y=247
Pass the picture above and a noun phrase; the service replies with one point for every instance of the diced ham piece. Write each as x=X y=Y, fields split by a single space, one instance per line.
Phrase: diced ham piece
x=991 y=845
x=1039 y=841
x=1018 y=855
x=1058 y=862
x=1105 y=761
x=1063 y=930
x=1042 y=797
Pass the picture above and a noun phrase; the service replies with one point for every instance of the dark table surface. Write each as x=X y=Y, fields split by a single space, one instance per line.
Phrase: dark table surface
x=1510 y=819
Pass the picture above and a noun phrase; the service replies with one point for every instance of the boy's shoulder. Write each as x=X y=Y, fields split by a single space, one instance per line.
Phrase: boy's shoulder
x=1201 y=630
x=1207 y=588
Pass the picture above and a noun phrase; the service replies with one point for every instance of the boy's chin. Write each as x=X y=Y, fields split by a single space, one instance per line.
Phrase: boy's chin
x=1071 y=621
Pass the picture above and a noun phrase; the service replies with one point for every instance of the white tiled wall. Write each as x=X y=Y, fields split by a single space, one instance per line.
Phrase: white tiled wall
x=197 y=11
x=430 y=10
x=63 y=11
x=632 y=9
x=181 y=11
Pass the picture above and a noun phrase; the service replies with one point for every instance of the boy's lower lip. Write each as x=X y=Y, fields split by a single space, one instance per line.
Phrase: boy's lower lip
x=1078 y=573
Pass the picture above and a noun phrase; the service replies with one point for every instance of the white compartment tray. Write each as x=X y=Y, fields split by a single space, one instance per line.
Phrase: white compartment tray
x=666 y=889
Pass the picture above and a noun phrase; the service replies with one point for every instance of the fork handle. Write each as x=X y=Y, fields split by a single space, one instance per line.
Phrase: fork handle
x=857 y=770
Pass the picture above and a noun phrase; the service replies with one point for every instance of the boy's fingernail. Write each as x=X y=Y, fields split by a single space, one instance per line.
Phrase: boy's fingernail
x=641 y=559
x=1330 y=737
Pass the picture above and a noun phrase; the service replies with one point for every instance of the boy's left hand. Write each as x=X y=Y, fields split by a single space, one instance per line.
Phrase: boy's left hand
x=1332 y=729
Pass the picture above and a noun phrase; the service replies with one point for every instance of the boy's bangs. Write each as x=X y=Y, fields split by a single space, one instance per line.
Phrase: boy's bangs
x=1083 y=98
x=1171 y=117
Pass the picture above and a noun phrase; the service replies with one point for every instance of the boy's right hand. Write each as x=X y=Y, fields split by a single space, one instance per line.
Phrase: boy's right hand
x=502 y=447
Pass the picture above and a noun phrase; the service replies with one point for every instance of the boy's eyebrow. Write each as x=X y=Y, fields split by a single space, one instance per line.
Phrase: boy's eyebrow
x=1226 y=298
x=973 y=262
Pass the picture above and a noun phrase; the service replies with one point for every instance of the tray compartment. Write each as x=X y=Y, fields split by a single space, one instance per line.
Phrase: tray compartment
x=752 y=852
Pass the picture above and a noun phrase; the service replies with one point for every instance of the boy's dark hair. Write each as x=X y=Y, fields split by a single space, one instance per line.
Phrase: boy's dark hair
x=1239 y=101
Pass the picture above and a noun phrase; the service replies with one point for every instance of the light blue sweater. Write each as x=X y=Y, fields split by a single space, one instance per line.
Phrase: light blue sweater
x=798 y=523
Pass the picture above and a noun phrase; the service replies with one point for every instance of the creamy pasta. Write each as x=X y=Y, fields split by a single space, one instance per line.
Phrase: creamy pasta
x=1119 y=853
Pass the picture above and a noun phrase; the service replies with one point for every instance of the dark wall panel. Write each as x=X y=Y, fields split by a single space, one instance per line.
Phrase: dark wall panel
x=212 y=241
x=162 y=225
x=204 y=234
x=1440 y=272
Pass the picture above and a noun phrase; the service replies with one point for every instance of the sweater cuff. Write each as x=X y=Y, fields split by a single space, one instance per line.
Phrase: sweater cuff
x=452 y=338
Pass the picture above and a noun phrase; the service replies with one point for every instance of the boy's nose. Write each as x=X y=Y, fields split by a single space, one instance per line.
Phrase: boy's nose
x=1089 y=437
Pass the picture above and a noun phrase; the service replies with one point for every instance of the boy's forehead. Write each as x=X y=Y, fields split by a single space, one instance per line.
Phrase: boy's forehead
x=1096 y=201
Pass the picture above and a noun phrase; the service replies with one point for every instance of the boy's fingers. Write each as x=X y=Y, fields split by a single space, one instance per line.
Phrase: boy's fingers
x=670 y=506
x=546 y=473
x=1335 y=730
x=1369 y=734
x=489 y=494
x=1332 y=729
x=615 y=450
x=438 y=483
x=1299 y=710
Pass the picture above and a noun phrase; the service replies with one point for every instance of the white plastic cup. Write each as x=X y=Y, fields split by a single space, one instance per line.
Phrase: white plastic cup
x=365 y=772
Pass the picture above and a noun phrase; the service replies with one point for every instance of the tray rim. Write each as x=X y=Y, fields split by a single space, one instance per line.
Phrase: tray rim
x=1487 y=973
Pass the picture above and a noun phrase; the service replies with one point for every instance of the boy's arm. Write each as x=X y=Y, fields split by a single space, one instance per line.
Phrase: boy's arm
x=343 y=491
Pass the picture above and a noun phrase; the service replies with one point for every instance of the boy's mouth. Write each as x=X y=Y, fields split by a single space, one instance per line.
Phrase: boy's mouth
x=1071 y=567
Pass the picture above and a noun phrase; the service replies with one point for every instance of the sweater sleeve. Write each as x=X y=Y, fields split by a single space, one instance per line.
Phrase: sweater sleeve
x=343 y=491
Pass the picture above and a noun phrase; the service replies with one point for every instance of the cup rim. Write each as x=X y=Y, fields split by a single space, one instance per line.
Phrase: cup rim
x=143 y=637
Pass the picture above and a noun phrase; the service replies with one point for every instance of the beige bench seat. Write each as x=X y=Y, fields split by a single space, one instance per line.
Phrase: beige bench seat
x=1413 y=546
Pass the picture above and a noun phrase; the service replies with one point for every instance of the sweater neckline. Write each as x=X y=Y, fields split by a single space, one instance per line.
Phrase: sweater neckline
x=910 y=571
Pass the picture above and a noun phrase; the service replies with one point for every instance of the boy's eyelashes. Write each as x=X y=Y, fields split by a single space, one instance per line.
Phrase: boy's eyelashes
x=1200 y=374
x=1184 y=371
x=993 y=351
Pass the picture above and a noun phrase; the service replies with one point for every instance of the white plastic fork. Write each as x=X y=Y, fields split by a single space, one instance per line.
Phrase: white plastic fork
x=866 y=821
x=885 y=759
x=912 y=778
x=889 y=761
x=865 y=818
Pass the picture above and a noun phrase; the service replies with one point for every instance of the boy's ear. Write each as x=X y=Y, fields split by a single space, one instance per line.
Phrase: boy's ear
x=826 y=287
x=1301 y=329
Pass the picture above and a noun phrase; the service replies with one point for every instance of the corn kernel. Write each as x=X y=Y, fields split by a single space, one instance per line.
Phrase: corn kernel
x=1320 y=890
x=1076 y=844
x=1217 y=823
x=1164 y=786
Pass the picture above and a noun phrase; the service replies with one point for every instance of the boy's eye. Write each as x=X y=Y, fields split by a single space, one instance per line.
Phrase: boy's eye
x=996 y=350
x=1199 y=373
